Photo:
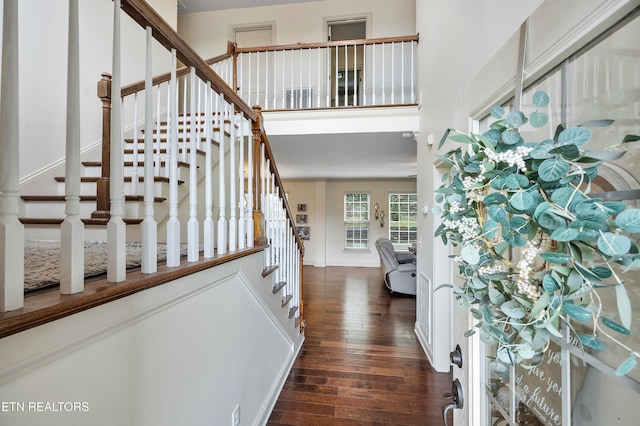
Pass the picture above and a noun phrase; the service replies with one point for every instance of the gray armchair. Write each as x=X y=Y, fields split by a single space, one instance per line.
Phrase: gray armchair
x=399 y=268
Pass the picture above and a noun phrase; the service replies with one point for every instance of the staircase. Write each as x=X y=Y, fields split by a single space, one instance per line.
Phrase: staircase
x=201 y=175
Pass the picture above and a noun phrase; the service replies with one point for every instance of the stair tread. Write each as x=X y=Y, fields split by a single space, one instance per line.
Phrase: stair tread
x=126 y=179
x=285 y=300
x=58 y=198
x=130 y=163
x=58 y=221
x=278 y=286
x=269 y=269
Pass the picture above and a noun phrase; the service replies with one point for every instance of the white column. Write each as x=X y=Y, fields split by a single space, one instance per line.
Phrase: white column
x=208 y=225
x=72 y=228
x=173 y=225
x=11 y=230
x=149 y=227
x=222 y=220
x=116 y=228
x=193 y=226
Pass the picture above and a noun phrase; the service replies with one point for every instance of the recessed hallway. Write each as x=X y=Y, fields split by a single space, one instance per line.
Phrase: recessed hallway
x=361 y=363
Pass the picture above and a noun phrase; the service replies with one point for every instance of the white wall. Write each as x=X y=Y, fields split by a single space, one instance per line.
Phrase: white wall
x=208 y=32
x=184 y=353
x=43 y=63
x=332 y=217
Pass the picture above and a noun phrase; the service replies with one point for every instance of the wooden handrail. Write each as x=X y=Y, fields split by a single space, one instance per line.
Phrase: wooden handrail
x=258 y=126
x=328 y=44
x=141 y=12
x=138 y=86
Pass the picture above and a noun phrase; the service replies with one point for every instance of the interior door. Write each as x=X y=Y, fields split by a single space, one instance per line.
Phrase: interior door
x=346 y=62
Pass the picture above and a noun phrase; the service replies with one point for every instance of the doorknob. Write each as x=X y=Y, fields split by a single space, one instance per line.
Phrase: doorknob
x=456 y=356
x=457 y=397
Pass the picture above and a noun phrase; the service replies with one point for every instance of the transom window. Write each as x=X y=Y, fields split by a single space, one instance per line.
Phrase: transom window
x=403 y=218
x=356 y=220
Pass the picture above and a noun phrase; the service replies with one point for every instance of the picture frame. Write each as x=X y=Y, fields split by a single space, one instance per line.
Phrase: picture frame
x=302 y=218
x=304 y=232
x=302 y=207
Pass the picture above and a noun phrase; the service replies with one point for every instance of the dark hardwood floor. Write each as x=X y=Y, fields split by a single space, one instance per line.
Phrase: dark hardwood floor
x=361 y=363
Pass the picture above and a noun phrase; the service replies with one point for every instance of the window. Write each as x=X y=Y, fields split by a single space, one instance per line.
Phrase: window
x=403 y=209
x=356 y=220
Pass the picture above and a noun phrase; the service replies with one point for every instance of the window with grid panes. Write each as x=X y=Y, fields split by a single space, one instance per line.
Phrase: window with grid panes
x=403 y=218
x=356 y=220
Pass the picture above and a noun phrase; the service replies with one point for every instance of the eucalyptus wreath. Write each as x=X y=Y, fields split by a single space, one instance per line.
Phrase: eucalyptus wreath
x=534 y=247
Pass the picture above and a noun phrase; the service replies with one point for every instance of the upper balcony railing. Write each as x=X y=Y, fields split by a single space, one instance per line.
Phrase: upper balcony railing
x=371 y=72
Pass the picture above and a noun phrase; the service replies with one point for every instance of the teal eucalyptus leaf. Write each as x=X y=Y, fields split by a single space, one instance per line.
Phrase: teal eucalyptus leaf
x=522 y=200
x=629 y=220
x=613 y=244
x=553 y=169
x=591 y=341
x=615 y=326
x=557 y=258
x=538 y=119
x=540 y=99
x=578 y=136
x=576 y=312
x=497 y=112
x=511 y=137
x=513 y=309
x=626 y=367
x=541 y=150
x=516 y=119
x=565 y=234
x=550 y=284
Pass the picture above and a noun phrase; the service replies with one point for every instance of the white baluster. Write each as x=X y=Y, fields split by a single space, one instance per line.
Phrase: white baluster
x=116 y=228
x=208 y=202
x=402 y=69
x=72 y=228
x=284 y=90
x=193 y=226
x=149 y=227
x=258 y=78
x=335 y=101
x=173 y=224
x=241 y=75
x=355 y=75
x=346 y=77
x=233 y=200
x=134 y=172
x=365 y=71
x=291 y=84
x=266 y=79
x=198 y=109
x=185 y=125
x=275 y=79
x=309 y=81
x=413 y=93
x=250 y=177
x=373 y=75
x=393 y=73
x=168 y=137
x=301 y=66
x=384 y=101
x=242 y=237
x=318 y=84
x=249 y=71
x=156 y=153
x=222 y=220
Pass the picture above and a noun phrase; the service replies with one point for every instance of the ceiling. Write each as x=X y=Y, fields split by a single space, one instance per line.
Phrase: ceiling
x=188 y=6
x=373 y=155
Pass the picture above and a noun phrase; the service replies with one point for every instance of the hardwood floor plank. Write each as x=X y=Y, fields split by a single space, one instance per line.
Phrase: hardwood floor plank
x=361 y=363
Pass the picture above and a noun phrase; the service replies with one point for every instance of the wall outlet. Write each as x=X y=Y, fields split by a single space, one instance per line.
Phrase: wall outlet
x=235 y=416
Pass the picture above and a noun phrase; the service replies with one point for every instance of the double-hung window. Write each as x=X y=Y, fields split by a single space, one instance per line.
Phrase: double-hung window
x=356 y=220
x=403 y=218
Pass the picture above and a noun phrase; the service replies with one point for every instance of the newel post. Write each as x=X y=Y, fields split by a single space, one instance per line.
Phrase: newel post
x=258 y=219
x=232 y=49
x=103 y=198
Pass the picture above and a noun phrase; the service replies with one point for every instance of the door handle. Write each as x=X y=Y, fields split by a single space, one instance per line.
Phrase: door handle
x=457 y=397
x=456 y=356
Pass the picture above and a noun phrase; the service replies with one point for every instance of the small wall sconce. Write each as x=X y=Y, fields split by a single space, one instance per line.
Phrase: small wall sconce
x=382 y=218
x=375 y=209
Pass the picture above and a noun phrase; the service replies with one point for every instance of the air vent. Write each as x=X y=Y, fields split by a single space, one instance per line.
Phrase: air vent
x=299 y=98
